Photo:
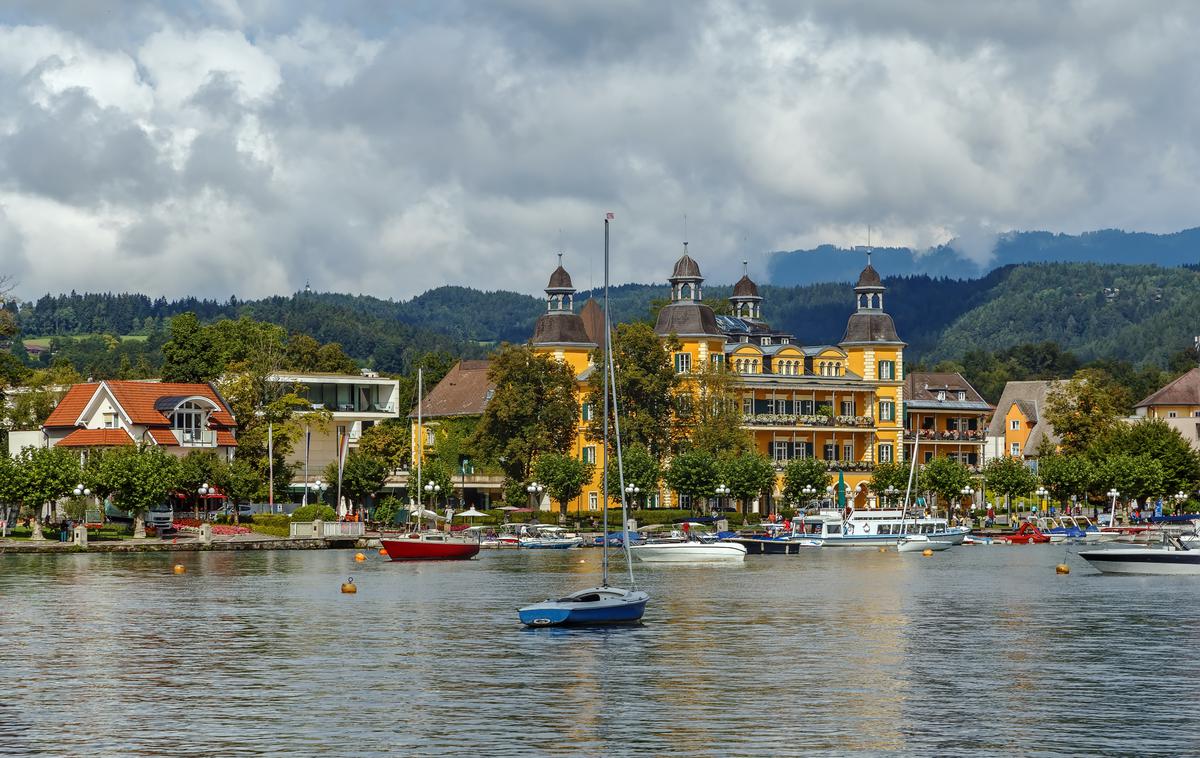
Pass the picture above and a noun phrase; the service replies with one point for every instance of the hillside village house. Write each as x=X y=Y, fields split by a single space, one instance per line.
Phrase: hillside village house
x=944 y=417
x=838 y=402
x=1019 y=427
x=463 y=393
x=1177 y=404
x=177 y=417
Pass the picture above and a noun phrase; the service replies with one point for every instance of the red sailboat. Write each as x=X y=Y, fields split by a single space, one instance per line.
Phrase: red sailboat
x=429 y=546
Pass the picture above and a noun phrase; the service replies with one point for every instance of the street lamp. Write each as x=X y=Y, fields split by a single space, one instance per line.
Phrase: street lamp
x=1113 y=494
x=202 y=490
x=631 y=491
x=1179 y=498
x=722 y=491
x=889 y=493
x=535 y=491
x=1041 y=493
x=81 y=491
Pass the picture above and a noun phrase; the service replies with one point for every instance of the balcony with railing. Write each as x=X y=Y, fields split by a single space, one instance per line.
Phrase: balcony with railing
x=807 y=420
x=195 y=437
x=974 y=436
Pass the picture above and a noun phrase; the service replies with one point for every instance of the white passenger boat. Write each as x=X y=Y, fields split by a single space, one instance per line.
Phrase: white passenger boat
x=881 y=527
x=1172 y=557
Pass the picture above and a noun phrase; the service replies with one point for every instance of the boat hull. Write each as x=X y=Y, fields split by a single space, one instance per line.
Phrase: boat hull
x=427 y=550
x=689 y=552
x=598 y=606
x=755 y=546
x=1144 y=561
x=920 y=545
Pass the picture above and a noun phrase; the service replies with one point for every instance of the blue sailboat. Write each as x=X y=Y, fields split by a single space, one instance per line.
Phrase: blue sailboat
x=604 y=604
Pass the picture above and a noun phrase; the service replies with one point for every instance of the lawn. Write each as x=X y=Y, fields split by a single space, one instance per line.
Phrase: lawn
x=45 y=341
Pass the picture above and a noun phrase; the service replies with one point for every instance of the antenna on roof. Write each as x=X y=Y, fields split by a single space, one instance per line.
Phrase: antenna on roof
x=685 y=234
x=560 y=255
x=868 y=244
x=746 y=268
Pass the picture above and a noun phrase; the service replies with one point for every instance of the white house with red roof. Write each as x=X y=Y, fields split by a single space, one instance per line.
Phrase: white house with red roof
x=179 y=417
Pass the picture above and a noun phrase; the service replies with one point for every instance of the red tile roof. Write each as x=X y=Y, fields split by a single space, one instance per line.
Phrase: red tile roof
x=464 y=391
x=162 y=436
x=97 y=438
x=226 y=439
x=138 y=399
x=71 y=405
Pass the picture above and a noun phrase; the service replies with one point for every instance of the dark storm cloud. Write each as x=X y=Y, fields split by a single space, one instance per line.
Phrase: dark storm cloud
x=389 y=148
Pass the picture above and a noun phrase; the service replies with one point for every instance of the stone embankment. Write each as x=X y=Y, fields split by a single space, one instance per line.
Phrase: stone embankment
x=245 y=542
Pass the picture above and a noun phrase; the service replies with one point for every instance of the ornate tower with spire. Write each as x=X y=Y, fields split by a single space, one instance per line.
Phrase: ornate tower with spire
x=745 y=300
x=686 y=315
x=560 y=330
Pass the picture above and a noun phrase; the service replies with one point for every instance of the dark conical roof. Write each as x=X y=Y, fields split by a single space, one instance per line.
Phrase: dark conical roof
x=869 y=277
x=560 y=280
x=561 y=329
x=870 y=327
x=686 y=268
x=745 y=287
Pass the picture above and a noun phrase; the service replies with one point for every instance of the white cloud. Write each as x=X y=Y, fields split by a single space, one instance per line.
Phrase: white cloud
x=246 y=147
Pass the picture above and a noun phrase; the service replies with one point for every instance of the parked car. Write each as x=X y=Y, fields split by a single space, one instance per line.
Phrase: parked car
x=244 y=510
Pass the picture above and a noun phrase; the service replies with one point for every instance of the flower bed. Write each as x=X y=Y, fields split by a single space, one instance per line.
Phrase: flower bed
x=192 y=525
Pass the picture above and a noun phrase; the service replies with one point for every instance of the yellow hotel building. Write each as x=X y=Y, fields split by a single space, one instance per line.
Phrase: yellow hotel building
x=839 y=402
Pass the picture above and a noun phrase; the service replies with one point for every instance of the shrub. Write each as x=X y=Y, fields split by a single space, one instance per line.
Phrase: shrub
x=385 y=512
x=314 y=512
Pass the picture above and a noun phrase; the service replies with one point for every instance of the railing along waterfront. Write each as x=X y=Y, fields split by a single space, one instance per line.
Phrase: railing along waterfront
x=326 y=529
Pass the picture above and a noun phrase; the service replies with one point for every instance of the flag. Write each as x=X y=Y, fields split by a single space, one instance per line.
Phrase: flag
x=609 y=216
x=343 y=450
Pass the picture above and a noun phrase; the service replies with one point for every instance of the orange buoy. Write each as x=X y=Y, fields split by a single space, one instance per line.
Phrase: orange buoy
x=926 y=552
x=383 y=551
x=1062 y=568
x=180 y=568
x=348 y=587
x=359 y=557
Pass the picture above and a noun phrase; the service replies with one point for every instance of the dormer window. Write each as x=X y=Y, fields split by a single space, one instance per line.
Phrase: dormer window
x=962 y=395
x=190 y=422
x=941 y=395
x=766 y=340
x=785 y=341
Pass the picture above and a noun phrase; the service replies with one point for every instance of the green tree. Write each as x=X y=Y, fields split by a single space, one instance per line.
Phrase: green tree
x=435 y=473
x=45 y=475
x=390 y=442
x=747 y=476
x=363 y=475
x=712 y=415
x=892 y=474
x=805 y=472
x=190 y=355
x=200 y=467
x=1158 y=440
x=1085 y=408
x=1137 y=476
x=1008 y=477
x=1066 y=475
x=532 y=411
x=641 y=470
x=945 y=477
x=646 y=385
x=564 y=476
x=139 y=478
x=693 y=473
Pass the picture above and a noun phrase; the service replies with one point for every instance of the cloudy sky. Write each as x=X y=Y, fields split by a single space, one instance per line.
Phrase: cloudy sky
x=246 y=146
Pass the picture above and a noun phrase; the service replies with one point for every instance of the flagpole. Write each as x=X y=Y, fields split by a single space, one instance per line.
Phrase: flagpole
x=271 y=466
x=307 y=440
x=420 y=442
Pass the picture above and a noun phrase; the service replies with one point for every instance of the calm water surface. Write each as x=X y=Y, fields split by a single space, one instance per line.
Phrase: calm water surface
x=980 y=650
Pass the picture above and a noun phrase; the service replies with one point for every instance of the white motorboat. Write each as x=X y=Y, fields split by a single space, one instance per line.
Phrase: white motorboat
x=689 y=551
x=1172 y=557
x=919 y=543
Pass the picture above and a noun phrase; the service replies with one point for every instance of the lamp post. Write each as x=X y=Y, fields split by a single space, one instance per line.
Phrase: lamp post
x=808 y=491
x=889 y=494
x=1041 y=493
x=722 y=491
x=631 y=491
x=81 y=491
x=535 y=491
x=966 y=493
x=1179 y=498
x=431 y=489
x=202 y=490
x=1113 y=494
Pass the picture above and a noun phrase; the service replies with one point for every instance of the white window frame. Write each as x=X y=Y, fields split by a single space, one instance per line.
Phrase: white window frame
x=887 y=410
x=886 y=452
x=683 y=363
x=588 y=454
x=593 y=501
x=1015 y=450
x=1014 y=425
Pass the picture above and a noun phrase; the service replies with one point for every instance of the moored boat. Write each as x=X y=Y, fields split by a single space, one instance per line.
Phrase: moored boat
x=593 y=606
x=1172 y=557
x=1027 y=534
x=919 y=543
x=687 y=551
x=429 y=546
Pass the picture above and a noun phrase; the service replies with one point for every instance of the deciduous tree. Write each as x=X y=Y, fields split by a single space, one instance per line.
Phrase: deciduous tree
x=45 y=475
x=641 y=470
x=532 y=412
x=1066 y=475
x=805 y=472
x=363 y=475
x=693 y=473
x=139 y=477
x=747 y=476
x=564 y=476
x=1085 y=408
x=1008 y=477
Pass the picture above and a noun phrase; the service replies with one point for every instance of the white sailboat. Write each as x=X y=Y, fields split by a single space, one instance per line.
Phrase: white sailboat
x=916 y=543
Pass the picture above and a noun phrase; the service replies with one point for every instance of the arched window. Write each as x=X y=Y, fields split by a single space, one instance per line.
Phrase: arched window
x=685 y=292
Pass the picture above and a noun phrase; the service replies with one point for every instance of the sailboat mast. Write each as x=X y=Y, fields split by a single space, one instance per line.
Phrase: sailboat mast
x=420 y=441
x=608 y=354
x=912 y=468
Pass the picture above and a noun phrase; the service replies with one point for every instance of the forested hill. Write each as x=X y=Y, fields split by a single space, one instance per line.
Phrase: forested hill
x=974 y=258
x=1140 y=314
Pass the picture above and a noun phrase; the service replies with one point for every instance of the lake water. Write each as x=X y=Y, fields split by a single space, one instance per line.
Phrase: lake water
x=981 y=650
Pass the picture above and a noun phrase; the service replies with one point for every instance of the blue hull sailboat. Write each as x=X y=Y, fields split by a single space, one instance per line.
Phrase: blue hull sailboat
x=604 y=604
